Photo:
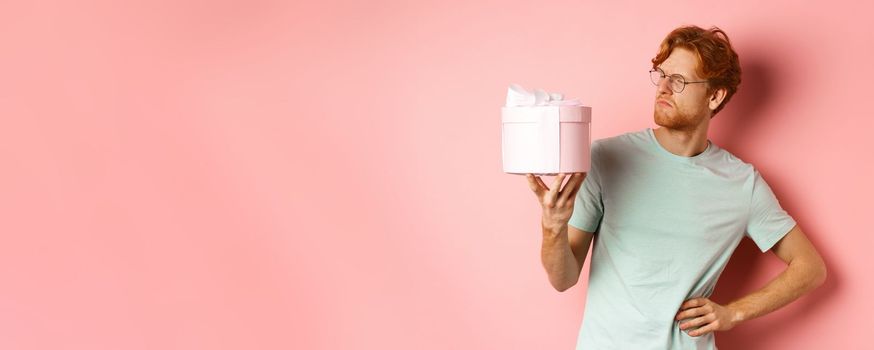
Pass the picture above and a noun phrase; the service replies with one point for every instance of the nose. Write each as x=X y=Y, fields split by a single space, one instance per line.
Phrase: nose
x=664 y=86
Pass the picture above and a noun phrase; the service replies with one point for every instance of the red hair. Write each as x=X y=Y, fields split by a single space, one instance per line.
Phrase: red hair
x=718 y=63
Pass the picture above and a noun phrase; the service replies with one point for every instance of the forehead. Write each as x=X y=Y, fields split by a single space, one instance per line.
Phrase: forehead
x=681 y=61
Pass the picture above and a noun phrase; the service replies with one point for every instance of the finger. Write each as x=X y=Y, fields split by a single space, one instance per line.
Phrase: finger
x=541 y=183
x=698 y=321
x=555 y=192
x=703 y=330
x=692 y=303
x=573 y=185
x=580 y=184
x=577 y=188
x=556 y=184
x=535 y=185
x=694 y=312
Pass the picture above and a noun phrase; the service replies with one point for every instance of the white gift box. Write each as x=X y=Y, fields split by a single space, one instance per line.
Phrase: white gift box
x=543 y=134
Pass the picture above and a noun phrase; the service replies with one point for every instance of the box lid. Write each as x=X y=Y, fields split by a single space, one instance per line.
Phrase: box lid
x=534 y=114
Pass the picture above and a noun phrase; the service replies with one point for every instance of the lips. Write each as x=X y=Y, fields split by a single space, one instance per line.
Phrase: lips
x=664 y=102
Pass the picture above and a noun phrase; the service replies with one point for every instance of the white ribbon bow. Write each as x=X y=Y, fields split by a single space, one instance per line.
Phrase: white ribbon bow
x=518 y=96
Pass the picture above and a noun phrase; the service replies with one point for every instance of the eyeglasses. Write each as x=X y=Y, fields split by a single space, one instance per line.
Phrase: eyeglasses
x=676 y=81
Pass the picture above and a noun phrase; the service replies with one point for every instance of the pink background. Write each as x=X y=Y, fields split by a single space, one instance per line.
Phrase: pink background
x=278 y=175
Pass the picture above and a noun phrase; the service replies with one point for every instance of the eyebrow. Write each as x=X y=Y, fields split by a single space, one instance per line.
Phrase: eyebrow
x=685 y=76
x=680 y=74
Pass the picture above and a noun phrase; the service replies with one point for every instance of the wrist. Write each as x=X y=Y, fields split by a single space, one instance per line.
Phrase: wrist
x=738 y=315
x=553 y=229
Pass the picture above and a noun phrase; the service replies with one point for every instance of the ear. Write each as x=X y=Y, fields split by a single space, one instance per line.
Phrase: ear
x=716 y=98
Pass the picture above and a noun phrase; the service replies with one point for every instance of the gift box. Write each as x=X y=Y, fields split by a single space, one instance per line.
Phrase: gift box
x=544 y=134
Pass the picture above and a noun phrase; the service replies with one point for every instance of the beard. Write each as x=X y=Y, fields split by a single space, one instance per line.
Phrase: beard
x=676 y=119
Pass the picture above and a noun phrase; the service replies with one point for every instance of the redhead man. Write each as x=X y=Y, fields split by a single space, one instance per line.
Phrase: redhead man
x=666 y=208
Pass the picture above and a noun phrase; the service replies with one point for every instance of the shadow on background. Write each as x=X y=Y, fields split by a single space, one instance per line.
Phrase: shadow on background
x=763 y=82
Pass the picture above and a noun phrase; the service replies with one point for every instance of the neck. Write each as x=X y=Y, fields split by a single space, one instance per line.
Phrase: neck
x=686 y=143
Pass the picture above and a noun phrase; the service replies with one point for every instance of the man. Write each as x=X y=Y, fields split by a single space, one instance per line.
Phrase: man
x=666 y=209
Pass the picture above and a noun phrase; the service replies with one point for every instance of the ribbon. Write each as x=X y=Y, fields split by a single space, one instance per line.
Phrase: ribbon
x=518 y=96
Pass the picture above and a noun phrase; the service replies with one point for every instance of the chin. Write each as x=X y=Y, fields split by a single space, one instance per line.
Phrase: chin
x=662 y=119
x=674 y=121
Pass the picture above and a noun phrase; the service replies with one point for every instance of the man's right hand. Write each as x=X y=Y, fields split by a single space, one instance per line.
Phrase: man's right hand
x=557 y=202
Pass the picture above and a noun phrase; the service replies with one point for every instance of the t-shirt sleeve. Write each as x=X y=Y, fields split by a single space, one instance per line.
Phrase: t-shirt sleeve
x=768 y=222
x=588 y=207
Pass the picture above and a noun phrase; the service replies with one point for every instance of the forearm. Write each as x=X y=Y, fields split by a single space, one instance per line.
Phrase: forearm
x=799 y=278
x=558 y=259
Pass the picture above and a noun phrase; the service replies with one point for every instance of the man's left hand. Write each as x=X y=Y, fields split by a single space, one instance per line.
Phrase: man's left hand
x=708 y=315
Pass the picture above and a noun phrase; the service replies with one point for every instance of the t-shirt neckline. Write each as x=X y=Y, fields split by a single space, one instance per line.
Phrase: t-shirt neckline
x=661 y=150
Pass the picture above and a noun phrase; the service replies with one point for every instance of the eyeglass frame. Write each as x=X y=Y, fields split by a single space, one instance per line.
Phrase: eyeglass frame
x=681 y=78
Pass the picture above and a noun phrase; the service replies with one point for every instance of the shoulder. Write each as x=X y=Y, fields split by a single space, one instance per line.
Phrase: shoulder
x=726 y=162
x=620 y=142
